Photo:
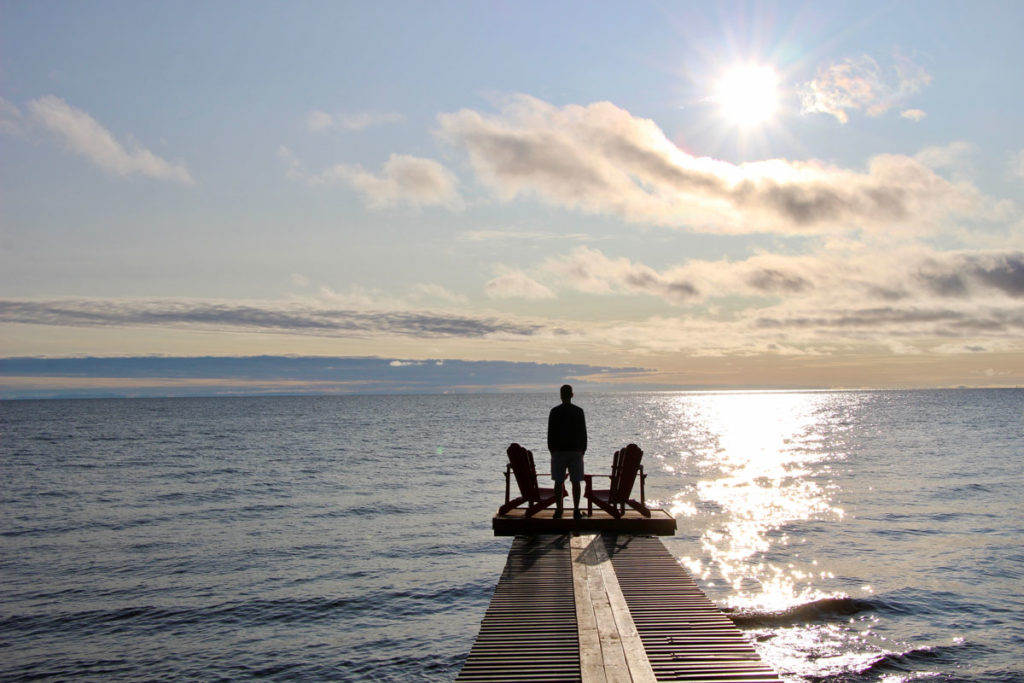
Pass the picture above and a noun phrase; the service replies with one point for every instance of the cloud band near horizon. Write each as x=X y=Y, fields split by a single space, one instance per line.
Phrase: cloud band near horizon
x=268 y=317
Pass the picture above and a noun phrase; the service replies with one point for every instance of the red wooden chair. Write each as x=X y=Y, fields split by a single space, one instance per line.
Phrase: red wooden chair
x=520 y=463
x=626 y=468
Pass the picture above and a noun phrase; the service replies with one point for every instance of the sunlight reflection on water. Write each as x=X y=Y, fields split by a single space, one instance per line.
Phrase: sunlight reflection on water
x=843 y=530
x=762 y=478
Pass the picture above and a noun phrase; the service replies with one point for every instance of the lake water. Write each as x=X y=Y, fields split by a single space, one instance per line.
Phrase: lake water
x=854 y=536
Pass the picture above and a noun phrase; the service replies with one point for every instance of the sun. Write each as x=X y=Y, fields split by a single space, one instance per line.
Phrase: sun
x=747 y=94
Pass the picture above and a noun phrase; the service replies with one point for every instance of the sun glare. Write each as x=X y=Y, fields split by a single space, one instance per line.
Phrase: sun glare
x=747 y=94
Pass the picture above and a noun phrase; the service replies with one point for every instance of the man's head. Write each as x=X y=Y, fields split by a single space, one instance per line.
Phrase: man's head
x=566 y=392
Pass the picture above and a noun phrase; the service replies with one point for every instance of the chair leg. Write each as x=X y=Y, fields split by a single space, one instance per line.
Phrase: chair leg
x=515 y=502
x=611 y=509
x=639 y=507
x=536 y=507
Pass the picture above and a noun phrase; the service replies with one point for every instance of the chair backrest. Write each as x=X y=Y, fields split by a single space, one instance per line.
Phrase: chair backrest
x=521 y=461
x=625 y=467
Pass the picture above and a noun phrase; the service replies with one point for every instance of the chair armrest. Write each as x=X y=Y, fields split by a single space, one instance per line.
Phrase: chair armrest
x=588 y=479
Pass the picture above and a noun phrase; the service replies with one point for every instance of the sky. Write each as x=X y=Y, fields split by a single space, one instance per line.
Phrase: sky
x=712 y=194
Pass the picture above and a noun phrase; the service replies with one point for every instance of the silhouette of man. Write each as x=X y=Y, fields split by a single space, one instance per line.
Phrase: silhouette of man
x=567 y=441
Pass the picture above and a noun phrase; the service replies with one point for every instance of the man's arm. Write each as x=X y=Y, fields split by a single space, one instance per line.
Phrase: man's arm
x=583 y=429
x=551 y=421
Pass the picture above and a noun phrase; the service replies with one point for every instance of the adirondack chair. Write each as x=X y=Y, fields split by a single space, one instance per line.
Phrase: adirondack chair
x=520 y=463
x=613 y=500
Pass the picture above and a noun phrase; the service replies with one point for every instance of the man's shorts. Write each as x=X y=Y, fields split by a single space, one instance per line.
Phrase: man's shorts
x=563 y=460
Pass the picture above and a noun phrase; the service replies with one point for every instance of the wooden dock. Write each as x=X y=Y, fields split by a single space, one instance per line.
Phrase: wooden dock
x=605 y=608
x=516 y=523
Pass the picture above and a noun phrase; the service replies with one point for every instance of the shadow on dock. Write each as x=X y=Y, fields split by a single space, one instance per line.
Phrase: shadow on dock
x=515 y=523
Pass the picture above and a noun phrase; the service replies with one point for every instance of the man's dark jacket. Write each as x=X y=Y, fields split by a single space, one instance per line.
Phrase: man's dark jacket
x=567 y=428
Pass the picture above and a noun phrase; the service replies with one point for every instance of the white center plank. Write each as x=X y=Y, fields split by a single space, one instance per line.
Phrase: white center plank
x=610 y=648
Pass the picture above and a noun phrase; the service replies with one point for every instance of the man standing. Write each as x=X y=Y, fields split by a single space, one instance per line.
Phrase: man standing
x=567 y=441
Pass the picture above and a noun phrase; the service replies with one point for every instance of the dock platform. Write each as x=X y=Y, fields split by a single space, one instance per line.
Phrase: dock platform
x=605 y=608
x=516 y=523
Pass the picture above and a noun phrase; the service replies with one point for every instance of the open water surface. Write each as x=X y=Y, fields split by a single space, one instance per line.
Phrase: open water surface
x=854 y=536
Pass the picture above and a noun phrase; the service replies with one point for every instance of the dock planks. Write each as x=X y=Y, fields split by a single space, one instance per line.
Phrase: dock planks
x=613 y=607
x=686 y=637
x=529 y=630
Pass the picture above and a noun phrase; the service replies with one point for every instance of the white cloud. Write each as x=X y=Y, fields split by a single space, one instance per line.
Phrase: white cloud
x=362 y=298
x=86 y=137
x=588 y=270
x=358 y=298
x=363 y=120
x=10 y=118
x=425 y=291
x=295 y=170
x=953 y=155
x=319 y=121
x=404 y=180
x=1017 y=165
x=601 y=159
x=514 y=284
x=861 y=84
x=521 y=236
x=914 y=114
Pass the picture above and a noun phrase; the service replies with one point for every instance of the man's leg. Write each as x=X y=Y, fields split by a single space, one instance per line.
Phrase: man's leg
x=576 y=474
x=559 y=484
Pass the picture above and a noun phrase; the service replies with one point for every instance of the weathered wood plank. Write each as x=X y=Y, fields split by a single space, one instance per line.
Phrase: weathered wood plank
x=591 y=662
x=612 y=634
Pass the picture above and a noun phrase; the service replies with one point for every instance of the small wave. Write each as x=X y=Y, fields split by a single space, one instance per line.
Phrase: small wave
x=825 y=609
x=971 y=488
x=377 y=509
x=910 y=660
x=152 y=619
x=415 y=665
x=142 y=619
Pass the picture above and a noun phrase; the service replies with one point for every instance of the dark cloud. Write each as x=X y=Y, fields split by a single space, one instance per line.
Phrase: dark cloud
x=954 y=275
x=773 y=280
x=92 y=313
x=813 y=203
x=885 y=293
x=906 y=321
x=944 y=284
x=681 y=289
x=1003 y=272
